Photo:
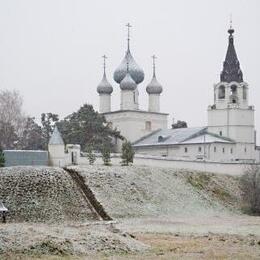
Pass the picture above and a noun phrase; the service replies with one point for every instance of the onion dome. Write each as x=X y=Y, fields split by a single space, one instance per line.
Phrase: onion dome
x=104 y=87
x=128 y=83
x=135 y=71
x=154 y=87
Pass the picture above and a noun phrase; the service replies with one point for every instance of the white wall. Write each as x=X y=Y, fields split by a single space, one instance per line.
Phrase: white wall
x=127 y=100
x=154 y=103
x=104 y=103
x=219 y=152
x=237 y=124
x=131 y=124
x=234 y=168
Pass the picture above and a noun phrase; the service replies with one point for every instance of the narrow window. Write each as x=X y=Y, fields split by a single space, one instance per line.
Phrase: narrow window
x=231 y=150
x=244 y=93
x=245 y=149
x=199 y=149
x=215 y=149
x=148 y=125
x=233 y=90
x=223 y=150
x=220 y=133
x=160 y=139
x=221 y=92
x=185 y=149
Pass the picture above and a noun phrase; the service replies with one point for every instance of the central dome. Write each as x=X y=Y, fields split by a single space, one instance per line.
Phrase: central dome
x=136 y=73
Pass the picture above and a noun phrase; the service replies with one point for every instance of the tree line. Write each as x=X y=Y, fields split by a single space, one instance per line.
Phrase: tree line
x=20 y=131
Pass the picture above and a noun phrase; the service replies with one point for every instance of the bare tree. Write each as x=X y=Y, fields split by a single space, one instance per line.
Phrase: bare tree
x=12 y=119
x=250 y=185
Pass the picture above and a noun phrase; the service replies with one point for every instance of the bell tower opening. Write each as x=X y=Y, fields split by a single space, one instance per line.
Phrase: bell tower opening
x=221 y=92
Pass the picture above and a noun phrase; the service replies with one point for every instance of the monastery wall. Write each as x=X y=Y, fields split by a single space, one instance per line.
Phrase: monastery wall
x=234 y=168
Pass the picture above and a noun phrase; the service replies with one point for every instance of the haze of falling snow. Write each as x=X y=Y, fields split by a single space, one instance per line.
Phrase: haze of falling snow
x=51 y=51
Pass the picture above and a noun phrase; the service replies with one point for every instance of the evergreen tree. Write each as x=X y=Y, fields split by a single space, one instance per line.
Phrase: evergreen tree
x=127 y=153
x=48 y=121
x=2 y=158
x=105 y=151
x=87 y=127
x=32 y=137
x=90 y=155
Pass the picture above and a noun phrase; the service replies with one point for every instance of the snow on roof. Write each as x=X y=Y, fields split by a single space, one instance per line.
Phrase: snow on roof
x=56 y=138
x=206 y=138
x=2 y=207
x=173 y=136
x=189 y=135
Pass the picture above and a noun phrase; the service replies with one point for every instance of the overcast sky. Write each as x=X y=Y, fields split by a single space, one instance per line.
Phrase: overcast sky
x=50 y=51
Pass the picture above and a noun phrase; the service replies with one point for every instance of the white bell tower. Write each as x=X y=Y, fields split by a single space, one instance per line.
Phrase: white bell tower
x=230 y=115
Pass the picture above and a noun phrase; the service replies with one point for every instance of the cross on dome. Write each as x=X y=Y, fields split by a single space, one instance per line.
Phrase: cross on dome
x=154 y=58
x=128 y=25
x=134 y=70
x=104 y=87
x=154 y=87
x=104 y=63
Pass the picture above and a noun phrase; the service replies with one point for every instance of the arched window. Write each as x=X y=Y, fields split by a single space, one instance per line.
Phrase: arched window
x=186 y=149
x=233 y=94
x=233 y=90
x=160 y=138
x=221 y=92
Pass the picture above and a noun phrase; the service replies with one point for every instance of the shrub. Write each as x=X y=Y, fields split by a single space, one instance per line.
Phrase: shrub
x=127 y=153
x=91 y=156
x=250 y=185
x=106 y=155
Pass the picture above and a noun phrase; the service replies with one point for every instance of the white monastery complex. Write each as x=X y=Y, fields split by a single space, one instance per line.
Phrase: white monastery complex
x=228 y=137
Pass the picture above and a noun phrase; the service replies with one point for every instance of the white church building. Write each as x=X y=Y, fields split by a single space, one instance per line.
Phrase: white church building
x=229 y=136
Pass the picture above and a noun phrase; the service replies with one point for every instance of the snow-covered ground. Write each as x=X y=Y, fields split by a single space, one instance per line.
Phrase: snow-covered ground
x=139 y=191
x=172 y=213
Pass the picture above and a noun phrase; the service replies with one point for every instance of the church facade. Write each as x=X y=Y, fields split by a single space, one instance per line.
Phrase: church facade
x=229 y=135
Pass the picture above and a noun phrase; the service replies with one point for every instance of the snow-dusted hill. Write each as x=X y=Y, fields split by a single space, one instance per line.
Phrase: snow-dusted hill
x=137 y=191
x=42 y=194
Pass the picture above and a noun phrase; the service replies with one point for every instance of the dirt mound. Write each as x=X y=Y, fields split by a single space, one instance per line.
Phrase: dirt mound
x=43 y=240
x=138 y=191
x=42 y=194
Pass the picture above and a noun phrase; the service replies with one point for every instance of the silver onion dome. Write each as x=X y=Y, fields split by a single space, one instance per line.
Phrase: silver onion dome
x=135 y=71
x=128 y=83
x=154 y=87
x=104 y=87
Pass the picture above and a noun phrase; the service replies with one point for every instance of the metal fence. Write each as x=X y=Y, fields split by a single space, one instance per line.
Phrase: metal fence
x=25 y=157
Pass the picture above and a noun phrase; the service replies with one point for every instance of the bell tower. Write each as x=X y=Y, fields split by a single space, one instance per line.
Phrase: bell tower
x=230 y=115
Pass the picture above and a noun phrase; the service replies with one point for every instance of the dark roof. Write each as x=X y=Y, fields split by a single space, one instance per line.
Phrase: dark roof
x=231 y=66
